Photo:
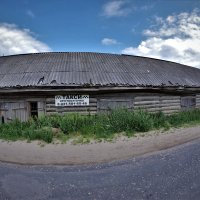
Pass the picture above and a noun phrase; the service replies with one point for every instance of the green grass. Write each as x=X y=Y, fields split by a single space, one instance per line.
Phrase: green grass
x=103 y=126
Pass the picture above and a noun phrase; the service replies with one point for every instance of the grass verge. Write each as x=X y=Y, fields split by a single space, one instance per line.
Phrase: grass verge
x=103 y=126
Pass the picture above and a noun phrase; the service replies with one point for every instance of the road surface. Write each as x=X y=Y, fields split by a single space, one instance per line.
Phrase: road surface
x=168 y=174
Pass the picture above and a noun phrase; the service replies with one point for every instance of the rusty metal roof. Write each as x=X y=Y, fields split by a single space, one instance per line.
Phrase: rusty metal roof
x=93 y=69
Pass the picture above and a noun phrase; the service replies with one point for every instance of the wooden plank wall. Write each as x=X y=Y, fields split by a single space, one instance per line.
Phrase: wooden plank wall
x=152 y=102
x=17 y=107
x=147 y=101
x=112 y=101
x=167 y=104
x=52 y=109
x=198 y=101
x=14 y=110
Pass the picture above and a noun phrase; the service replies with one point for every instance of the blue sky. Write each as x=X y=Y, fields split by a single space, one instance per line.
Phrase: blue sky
x=165 y=29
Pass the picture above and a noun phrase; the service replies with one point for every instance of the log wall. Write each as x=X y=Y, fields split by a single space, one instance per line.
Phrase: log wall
x=18 y=106
x=198 y=101
x=166 y=103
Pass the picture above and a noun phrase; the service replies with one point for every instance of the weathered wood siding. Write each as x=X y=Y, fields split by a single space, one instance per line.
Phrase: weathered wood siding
x=41 y=108
x=112 y=101
x=18 y=107
x=147 y=101
x=165 y=103
x=12 y=107
x=198 y=101
x=188 y=102
x=14 y=110
x=52 y=109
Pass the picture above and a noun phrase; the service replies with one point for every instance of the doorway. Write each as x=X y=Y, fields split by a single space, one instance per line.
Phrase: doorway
x=34 y=109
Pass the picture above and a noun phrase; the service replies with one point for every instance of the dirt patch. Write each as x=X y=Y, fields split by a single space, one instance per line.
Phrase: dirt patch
x=122 y=148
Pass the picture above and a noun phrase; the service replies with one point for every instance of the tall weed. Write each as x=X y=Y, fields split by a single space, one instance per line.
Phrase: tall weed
x=102 y=125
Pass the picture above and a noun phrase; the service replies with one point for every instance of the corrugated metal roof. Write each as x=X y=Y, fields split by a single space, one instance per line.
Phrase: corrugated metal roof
x=93 y=69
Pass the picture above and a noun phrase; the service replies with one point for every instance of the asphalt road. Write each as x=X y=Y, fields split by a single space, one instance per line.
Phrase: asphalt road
x=169 y=174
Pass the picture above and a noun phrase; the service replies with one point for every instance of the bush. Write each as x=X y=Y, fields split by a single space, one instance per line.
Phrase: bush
x=73 y=122
x=44 y=134
x=159 y=120
x=51 y=121
x=119 y=120
x=141 y=121
x=184 y=117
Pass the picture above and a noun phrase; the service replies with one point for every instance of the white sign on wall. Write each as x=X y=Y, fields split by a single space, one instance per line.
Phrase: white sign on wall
x=72 y=100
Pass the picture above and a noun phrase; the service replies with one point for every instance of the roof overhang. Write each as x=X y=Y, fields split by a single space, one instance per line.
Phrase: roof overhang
x=97 y=89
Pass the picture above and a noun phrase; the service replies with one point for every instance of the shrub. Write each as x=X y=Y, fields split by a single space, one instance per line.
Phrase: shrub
x=184 y=117
x=44 y=134
x=141 y=121
x=119 y=120
x=159 y=120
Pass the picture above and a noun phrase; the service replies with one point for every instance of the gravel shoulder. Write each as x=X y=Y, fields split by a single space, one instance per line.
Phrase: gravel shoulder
x=37 y=153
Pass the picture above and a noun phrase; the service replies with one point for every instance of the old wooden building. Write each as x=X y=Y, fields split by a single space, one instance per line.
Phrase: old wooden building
x=47 y=83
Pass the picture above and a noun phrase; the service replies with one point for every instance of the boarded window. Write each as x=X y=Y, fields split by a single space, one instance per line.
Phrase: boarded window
x=188 y=102
x=112 y=103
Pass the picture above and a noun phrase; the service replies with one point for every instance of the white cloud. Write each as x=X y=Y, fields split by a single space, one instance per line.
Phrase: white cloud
x=30 y=14
x=17 y=41
x=115 y=8
x=109 y=41
x=176 y=38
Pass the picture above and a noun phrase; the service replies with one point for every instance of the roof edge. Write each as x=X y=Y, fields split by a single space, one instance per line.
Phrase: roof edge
x=62 y=52
x=97 y=89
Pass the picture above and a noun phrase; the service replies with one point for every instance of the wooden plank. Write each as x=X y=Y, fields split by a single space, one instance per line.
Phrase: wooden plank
x=50 y=110
x=116 y=95
x=71 y=109
x=146 y=102
x=41 y=108
x=172 y=104
x=171 y=108
x=161 y=109
x=170 y=101
x=169 y=97
x=35 y=99
x=141 y=105
x=147 y=106
x=82 y=113
x=77 y=109
x=146 y=98
x=100 y=89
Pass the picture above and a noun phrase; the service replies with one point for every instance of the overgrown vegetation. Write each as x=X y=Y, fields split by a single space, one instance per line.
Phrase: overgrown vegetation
x=101 y=126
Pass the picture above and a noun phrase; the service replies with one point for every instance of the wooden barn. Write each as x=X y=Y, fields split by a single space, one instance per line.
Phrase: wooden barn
x=48 y=83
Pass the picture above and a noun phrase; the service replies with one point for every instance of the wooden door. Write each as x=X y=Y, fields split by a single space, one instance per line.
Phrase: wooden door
x=14 y=110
